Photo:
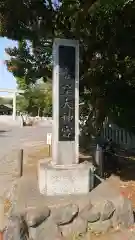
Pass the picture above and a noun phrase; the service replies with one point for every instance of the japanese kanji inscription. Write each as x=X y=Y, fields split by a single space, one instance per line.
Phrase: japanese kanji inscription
x=65 y=129
x=66 y=93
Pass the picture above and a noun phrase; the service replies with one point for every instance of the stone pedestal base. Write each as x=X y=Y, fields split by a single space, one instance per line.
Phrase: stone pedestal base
x=65 y=180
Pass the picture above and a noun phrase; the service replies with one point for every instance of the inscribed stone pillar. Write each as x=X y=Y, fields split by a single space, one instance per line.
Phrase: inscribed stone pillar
x=64 y=175
x=65 y=142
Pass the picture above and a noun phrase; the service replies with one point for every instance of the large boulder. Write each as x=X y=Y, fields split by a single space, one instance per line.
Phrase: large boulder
x=48 y=230
x=26 y=195
x=91 y=215
x=110 y=201
x=65 y=214
x=124 y=213
x=100 y=226
x=16 y=229
x=34 y=216
x=107 y=210
x=78 y=226
x=99 y=211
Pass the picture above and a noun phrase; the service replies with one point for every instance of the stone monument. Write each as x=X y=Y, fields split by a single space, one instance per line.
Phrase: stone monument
x=63 y=174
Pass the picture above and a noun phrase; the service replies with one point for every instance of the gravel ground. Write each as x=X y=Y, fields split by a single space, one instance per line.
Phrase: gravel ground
x=11 y=140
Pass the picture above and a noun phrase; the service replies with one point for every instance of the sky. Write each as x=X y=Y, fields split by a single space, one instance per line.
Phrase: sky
x=7 y=80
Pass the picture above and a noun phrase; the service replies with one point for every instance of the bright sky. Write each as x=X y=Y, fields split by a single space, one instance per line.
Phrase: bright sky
x=7 y=80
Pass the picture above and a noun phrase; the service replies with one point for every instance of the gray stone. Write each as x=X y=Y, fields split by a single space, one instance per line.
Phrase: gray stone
x=27 y=195
x=92 y=215
x=48 y=230
x=108 y=210
x=35 y=216
x=100 y=227
x=60 y=201
x=77 y=227
x=124 y=213
x=64 y=180
x=32 y=233
x=65 y=152
x=115 y=220
x=83 y=213
x=65 y=214
x=108 y=190
x=17 y=229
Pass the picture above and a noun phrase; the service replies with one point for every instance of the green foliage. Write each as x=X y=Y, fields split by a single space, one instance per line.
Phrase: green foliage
x=28 y=65
x=36 y=100
x=106 y=30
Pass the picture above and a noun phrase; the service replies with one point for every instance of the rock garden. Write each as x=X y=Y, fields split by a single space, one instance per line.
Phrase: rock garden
x=104 y=210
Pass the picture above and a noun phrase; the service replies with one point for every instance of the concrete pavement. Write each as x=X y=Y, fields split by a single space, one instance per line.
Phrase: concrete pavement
x=13 y=137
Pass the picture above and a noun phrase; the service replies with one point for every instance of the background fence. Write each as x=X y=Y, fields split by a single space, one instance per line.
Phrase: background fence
x=118 y=135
